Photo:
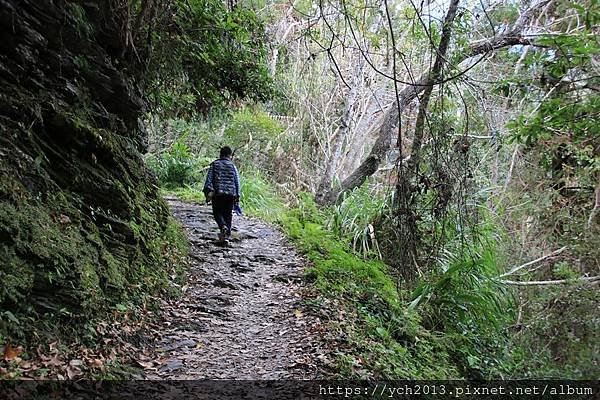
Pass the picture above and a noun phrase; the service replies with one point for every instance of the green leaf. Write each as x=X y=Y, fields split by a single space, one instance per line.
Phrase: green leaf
x=11 y=317
x=381 y=331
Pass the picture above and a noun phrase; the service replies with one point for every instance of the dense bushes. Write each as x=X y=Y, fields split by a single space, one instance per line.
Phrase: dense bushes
x=181 y=150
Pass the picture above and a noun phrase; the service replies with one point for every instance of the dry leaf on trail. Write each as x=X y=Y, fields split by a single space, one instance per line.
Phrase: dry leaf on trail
x=73 y=372
x=97 y=363
x=75 y=363
x=11 y=353
x=145 y=364
x=298 y=314
x=53 y=347
x=52 y=362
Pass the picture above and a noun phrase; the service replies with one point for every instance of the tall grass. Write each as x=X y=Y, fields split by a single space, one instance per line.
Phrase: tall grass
x=353 y=217
x=463 y=299
x=259 y=196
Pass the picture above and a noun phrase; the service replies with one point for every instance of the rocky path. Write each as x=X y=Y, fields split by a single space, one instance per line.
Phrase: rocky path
x=241 y=316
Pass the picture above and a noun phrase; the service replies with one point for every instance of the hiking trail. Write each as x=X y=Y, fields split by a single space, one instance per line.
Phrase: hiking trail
x=240 y=316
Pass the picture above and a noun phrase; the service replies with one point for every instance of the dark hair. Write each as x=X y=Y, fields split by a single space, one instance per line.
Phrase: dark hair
x=225 y=152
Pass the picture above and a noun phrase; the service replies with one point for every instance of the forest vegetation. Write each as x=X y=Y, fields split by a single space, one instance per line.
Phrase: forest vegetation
x=437 y=163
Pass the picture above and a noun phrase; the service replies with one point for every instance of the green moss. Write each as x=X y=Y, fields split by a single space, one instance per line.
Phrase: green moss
x=77 y=255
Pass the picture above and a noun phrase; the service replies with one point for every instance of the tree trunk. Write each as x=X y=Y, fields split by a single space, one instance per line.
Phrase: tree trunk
x=336 y=152
x=325 y=187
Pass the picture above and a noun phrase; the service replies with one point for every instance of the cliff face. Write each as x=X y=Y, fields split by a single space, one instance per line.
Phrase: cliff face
x=82 y=226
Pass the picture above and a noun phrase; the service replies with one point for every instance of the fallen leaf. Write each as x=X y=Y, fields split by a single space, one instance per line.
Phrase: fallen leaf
x=11 y=353
x=73 y=372
x=52 y=362
x=53 y=347
x=298 y=314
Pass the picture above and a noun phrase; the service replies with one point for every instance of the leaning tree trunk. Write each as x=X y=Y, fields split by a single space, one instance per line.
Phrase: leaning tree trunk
x=386 y=130
x=338 y=144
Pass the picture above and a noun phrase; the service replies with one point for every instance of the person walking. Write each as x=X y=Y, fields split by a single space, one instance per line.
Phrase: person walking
x=222 y=188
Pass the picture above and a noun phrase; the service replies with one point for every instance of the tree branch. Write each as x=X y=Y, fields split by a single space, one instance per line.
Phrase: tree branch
x=385 y=132
x=553 y=282
x=532 y=262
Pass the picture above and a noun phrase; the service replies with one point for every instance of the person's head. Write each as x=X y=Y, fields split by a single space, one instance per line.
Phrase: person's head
x=225 y=152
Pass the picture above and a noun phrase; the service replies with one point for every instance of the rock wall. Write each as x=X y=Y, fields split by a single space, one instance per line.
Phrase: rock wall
x=82 y=225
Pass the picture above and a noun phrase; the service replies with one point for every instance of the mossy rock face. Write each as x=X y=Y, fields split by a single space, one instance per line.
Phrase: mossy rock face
x=82 y=225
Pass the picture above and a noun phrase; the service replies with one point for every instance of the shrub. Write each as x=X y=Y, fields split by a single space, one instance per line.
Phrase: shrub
x=352 y=219
x=259 y=196
x=175 y=167
x=463 y=299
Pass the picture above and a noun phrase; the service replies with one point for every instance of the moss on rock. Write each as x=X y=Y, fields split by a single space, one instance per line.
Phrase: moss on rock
x=82 y=224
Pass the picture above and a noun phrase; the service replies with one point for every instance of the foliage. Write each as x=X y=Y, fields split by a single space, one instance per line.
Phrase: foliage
x=567 y=131
x=559 y=134
x=178 y=166
x=196 y=52
x=173 y=167
x=558 y=337
x=563 y=126
x=464 y=301
x=257 y=139
x=382 y=337
x=248 y=125
x=259 y=197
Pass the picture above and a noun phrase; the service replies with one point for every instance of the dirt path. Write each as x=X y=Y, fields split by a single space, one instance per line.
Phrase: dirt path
x=241 y=316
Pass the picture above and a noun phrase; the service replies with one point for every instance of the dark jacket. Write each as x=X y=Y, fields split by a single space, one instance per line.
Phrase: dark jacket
x=222 y=179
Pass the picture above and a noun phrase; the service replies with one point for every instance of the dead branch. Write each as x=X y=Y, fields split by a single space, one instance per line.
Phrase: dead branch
x=385 y=134
x=588 y=279
x=532 y=262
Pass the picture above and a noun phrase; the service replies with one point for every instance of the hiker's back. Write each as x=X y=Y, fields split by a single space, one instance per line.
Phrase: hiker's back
x=224 y=178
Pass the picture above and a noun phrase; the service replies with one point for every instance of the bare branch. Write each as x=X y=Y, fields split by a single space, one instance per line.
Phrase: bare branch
x=382 y=144
x=588 y=279
x=532 y=262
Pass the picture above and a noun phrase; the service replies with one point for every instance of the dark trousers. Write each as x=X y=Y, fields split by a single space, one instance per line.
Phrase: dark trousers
x=222 y=207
